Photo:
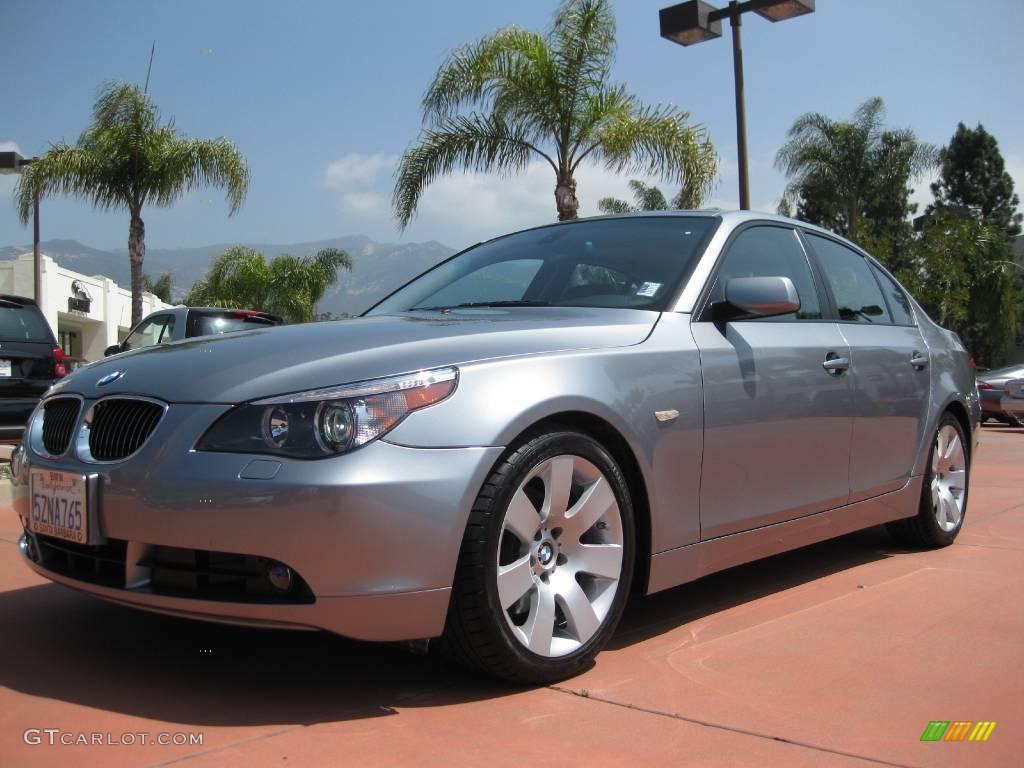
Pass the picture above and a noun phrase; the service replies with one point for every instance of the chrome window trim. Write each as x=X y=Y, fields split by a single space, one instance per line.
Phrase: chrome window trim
x=35 y=427
x=81 y=439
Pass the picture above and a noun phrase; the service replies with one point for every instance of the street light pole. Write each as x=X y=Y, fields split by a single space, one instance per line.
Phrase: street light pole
x=736 y=20
x=696 y=21
x=36 y=260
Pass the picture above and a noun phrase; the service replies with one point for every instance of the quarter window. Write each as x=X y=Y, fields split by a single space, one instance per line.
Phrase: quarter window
x=858 y=297
x=770 y=252
x=899 y=304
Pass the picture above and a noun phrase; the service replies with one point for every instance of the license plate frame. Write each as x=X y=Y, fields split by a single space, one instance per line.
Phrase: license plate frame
x=62 y=509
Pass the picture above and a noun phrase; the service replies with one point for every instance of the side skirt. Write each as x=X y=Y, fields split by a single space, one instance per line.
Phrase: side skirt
x=683 y=564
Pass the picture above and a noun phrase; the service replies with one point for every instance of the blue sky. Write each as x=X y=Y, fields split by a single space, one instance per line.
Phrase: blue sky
x=322 y=96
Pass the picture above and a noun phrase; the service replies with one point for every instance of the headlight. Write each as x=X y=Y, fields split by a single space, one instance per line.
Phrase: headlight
x=326 y=422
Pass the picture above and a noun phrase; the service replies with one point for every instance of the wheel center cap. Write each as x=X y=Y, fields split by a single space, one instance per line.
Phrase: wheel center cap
x=545 y=552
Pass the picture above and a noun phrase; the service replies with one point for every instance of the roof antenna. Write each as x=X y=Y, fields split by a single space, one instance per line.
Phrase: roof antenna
x=150 y=67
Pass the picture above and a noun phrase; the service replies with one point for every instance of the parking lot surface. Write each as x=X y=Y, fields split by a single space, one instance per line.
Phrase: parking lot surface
x=837 y=654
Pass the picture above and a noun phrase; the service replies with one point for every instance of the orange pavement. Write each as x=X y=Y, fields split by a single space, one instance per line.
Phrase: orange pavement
x=839 y=654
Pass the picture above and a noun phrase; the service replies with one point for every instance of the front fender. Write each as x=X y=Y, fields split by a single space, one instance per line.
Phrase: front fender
x=498 y=400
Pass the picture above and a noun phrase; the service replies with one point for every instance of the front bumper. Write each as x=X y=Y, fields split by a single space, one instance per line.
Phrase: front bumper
x=375 y=534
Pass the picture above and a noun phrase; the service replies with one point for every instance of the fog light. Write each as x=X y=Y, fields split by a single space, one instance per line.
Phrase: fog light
x=280 y=577
x=27 y=547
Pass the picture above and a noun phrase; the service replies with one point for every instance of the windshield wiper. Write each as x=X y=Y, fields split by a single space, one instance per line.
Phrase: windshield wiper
x=470 y=304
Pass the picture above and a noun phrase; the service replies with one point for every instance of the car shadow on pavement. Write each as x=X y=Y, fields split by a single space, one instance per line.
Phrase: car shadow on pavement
x=59 y=644
x=62 y=645
x=664 y=611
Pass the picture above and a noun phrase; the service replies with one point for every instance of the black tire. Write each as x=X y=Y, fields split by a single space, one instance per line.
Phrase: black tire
x=1015 y=421
x=476 y=631
x=923 y=531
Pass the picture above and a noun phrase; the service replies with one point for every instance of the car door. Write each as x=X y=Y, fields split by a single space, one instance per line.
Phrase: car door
x=777 y=421
x=889 y=367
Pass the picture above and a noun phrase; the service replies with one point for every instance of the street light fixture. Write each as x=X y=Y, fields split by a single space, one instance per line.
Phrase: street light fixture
x=695 y=21
x=12 y=162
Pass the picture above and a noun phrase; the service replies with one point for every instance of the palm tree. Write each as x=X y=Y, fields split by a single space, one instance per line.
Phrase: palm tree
x=843 y=171
x=647 y=197
x=289 y=286
x=547 y=96
x=127 y=158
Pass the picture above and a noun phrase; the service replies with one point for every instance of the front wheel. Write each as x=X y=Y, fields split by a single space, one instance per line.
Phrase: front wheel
x=944 y=492
x=546 y=560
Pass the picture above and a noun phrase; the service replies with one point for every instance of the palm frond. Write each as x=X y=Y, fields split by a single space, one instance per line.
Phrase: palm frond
x=473 y=72
x=614 y=205
x=658 y=141
x=472 y=143
x=179 y=165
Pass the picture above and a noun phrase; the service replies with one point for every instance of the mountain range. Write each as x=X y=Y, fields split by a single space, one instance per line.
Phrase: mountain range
x=377 y=268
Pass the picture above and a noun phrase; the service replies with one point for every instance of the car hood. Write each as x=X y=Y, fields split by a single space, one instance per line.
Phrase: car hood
x=248 y=365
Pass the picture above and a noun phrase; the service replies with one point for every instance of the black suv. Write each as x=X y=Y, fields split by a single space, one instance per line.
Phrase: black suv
x=30 y=361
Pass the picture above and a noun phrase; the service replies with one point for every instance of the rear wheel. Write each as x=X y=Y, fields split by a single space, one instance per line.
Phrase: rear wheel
x=546 y=561
x=944 y=492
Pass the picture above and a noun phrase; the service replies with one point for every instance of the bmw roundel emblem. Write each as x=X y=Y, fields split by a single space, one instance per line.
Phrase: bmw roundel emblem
x=112 y=376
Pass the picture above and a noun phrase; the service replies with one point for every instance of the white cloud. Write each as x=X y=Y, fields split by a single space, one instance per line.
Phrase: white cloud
x=361 y=181
x=7 y=181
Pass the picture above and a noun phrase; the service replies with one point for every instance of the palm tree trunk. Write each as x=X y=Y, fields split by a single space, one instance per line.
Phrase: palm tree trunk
x=136 y=255
x=565 y=196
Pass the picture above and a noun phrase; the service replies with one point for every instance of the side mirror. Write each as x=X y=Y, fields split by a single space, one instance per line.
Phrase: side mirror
x=113 y=349
x=762 y=296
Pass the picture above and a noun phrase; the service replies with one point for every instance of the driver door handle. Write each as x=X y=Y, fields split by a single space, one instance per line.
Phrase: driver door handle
x=835 y=365
x=918 y=360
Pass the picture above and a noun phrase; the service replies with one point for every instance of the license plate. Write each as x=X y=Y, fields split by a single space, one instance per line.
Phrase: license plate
x=59 y=505
x=5 y=367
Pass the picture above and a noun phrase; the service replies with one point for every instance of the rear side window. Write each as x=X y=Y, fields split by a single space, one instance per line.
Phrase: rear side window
x=858 y=297
x=770 y=252
x=22 y=323
x=212 y=323
x=899 y=304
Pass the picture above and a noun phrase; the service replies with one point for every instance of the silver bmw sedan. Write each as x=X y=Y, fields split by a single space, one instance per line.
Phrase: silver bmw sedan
x=496 y=454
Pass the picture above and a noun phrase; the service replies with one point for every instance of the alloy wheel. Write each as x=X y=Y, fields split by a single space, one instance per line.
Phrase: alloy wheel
x=560 y=556
x=949 y=478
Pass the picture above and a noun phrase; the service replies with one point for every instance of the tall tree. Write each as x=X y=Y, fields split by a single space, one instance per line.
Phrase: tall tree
x=550 y=97
x=972 y=174
x=848 y=175
x=127 y=158
x=290 y=286
x=161 y=287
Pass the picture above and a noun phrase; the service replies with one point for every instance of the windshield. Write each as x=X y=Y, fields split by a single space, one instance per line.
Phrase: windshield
x=634 y=262
x=22 y=323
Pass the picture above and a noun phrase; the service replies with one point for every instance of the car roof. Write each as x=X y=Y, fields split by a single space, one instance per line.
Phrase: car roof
x=732 y=218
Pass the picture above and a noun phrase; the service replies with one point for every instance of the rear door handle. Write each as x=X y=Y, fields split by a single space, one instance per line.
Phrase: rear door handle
x=835 y=365
x=918 y=360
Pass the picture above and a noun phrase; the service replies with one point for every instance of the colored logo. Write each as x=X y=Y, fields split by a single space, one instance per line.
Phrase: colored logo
x=958 y=730
x=113 y=376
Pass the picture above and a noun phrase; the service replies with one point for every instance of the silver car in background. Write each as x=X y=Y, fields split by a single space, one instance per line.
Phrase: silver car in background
x=499 y=451
x=1012 y=401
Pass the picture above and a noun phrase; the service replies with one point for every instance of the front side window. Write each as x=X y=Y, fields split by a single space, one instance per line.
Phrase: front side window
x=770 y=252
x=146 y=335
x=635 y=263
x=858 y=297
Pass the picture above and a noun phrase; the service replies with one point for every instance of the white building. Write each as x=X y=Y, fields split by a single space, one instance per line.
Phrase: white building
x=87 y=314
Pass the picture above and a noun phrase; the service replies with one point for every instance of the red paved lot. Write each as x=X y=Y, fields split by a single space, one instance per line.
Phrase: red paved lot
x=838 y=654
